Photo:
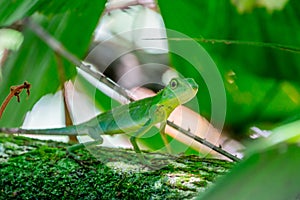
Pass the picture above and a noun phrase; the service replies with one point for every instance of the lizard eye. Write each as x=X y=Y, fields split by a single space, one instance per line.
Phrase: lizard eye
x=173 y=84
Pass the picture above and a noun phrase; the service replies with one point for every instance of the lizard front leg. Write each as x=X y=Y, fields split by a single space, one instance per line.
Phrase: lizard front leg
x=146 y=127
x=159 y=115
x=156 y=115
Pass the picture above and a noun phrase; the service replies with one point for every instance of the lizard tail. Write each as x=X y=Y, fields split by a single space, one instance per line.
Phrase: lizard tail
x=66 y=131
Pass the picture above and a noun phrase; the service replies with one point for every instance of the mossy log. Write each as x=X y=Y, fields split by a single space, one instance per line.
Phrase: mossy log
x=35 y=169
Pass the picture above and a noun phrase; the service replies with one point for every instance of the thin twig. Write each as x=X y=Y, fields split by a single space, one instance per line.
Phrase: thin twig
x=204 y=142
x=282 y=47
x=15 y=91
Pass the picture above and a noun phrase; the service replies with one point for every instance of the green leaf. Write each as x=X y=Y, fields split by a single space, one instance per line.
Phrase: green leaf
x=272 y=174
x=11 y=11
x=252 y=75
x=72 y=25
x=270 y=169
x=287 y=133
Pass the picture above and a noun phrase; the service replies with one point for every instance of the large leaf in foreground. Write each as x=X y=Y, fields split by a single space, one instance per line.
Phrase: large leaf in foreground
x=271 y=171
x=272 y=174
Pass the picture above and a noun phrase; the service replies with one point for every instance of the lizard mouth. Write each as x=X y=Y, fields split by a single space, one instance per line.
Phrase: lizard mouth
x=192 y=83
x=189 y=91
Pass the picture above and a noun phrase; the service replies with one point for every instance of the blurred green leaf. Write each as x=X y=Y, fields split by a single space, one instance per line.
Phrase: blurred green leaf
x=270 y=169
x=11 y=11
x=287 y=133
x=72 y=24
x=253 y=75
x=271 y=174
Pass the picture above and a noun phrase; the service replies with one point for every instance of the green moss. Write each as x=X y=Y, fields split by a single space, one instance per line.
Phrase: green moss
x=48 y=172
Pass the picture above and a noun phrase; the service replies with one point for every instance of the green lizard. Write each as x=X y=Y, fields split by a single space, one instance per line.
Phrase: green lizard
x=136 y=117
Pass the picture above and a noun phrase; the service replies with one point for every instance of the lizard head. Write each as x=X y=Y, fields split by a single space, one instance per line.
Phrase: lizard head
x=181 y=90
